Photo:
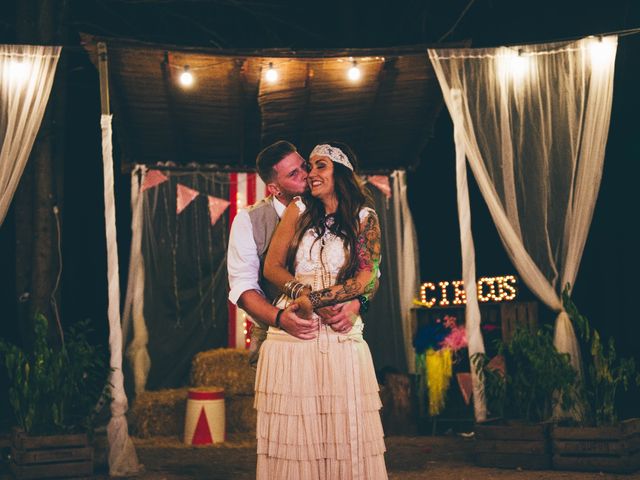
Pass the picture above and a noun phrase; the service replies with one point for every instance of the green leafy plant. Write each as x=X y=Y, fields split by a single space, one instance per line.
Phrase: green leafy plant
x=55 y=389
x=605 y=373
x=535 y=371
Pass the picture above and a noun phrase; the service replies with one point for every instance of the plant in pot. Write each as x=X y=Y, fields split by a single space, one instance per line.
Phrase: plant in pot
x=598 y=441
x=53 y=393
x=522 y=397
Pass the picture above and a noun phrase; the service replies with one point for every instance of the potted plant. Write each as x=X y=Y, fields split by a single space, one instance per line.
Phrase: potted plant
x=599 y=441
x=53 y=393
x=521 y=397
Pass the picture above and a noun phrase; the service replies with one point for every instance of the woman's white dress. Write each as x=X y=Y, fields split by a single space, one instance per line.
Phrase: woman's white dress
x=318 y=400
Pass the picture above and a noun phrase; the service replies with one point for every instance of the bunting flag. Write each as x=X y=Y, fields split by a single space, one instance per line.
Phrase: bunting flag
x=217 y=206
x=153 y=178
x=184 y=197
x=466 y=388
x=381 y=182
x=245 y=189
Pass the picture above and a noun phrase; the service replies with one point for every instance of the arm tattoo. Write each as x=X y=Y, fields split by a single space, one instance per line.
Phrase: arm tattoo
x=368 y=244
x=368 y=250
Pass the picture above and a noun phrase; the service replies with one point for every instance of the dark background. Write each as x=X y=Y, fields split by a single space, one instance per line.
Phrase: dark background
x=605 y=289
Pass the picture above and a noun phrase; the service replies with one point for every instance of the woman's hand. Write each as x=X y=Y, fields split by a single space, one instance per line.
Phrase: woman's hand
x=305 y=309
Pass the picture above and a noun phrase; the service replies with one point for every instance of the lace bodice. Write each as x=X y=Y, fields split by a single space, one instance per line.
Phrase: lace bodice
x=318 y=261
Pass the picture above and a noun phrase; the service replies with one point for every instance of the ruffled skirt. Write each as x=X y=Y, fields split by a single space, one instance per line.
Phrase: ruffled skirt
x=318 y=408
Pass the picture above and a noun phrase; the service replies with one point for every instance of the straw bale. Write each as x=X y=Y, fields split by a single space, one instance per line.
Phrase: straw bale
x=240 y=414
x=226 y=367
x=159 y=413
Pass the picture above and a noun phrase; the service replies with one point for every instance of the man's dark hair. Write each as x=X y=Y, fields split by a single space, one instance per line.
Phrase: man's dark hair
x=270 y=156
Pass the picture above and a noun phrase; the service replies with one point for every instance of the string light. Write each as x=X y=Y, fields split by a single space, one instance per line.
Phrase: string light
x=18 y=71
x=490 y=289
x=602 y=51
x=514 y=65
x=272 y=74
x=354 y=72
x=186 y=77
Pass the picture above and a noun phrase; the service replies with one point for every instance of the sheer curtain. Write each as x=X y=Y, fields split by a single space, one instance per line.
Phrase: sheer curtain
x=533 y=123
x=26 y=78
x=407 y=259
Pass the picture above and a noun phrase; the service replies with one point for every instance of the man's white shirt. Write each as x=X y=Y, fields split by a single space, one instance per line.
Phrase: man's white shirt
x=243 y=263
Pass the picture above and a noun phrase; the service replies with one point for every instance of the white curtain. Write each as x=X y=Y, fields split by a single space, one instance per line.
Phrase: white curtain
x=533 y=123
x=408 y=261
x=26 y=78
x=137 y=352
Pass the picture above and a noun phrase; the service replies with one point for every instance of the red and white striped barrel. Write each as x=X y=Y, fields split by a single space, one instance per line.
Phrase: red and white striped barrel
x=204 y=421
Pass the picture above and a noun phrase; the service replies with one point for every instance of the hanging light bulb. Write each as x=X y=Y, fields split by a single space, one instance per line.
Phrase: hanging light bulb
x=272 y=74
x=186 y=78
x=354 y=72
x=514 y=65
x=602 y=51
x=18 y=71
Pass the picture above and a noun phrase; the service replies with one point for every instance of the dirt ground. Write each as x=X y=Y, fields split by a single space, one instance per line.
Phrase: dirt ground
x=410 y=458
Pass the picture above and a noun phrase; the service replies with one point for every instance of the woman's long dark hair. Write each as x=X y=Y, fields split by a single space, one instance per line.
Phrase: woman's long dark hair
x=351 y=197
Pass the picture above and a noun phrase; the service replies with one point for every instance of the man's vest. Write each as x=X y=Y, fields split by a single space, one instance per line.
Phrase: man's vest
x=264 y=220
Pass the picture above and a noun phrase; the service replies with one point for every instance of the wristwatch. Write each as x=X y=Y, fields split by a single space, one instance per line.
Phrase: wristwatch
x=364 y=303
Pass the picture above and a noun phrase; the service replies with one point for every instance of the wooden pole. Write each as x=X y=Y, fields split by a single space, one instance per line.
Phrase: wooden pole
x=103 y=65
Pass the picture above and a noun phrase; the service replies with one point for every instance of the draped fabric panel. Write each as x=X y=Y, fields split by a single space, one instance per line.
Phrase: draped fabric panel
x=408 y=259
x=388 y=322
x=123 y=459
x=534 y=122
x=26 y=78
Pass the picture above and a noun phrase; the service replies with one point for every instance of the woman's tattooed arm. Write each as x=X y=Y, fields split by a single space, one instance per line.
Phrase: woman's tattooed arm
x=364 y=282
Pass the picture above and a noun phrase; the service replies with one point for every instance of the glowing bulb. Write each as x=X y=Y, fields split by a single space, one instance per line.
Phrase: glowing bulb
x=514 y=65
x=602 y=52
x=18 y=71
x=354 y=72
x=272 y=74
x=186 y=78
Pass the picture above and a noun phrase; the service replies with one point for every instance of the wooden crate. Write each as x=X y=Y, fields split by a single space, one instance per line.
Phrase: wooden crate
x=51 y=456
x=598 y=449
x=513 y=446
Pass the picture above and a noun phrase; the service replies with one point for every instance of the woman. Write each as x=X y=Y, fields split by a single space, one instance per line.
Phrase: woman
x=317 y=400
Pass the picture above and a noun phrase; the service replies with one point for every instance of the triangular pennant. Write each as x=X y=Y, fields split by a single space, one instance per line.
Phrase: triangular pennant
x=217 y=206
x=184 y=197
x=466 y=386
x=382 y=183
x=202 y=433
x=153 y=178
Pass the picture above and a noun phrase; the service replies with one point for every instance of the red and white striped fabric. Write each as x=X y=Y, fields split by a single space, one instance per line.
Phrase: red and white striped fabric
x=244 y=189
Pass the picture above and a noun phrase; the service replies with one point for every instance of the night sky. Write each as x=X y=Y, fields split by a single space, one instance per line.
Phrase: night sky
x=605 y=289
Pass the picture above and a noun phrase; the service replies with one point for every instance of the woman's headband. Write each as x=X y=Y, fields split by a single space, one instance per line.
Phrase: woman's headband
x=334 y=153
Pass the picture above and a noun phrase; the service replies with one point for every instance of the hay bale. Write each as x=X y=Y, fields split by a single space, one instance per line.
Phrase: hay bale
x=240 y=414
x=159 y=413
x=226 y=367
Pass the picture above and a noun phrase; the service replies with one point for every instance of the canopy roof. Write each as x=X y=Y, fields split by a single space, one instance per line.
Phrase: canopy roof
x=232 y=111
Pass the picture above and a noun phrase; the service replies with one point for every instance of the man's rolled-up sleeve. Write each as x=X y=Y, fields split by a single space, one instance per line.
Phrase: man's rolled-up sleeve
x=243 y=264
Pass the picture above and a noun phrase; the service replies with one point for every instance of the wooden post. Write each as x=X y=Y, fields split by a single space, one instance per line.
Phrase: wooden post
x=103 y=65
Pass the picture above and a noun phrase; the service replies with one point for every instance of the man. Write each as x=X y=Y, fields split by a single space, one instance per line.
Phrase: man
x=284 y=173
